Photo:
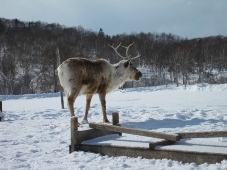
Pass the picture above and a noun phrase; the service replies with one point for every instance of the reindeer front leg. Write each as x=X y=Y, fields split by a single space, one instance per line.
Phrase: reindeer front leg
x=102 y=97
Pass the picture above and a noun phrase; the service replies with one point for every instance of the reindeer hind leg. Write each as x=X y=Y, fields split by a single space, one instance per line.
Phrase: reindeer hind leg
x=71 y=99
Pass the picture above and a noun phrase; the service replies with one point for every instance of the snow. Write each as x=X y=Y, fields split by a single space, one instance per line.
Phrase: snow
x=35 y=132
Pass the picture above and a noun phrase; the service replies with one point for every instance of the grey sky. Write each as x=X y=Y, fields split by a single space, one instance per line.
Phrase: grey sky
x=186 y=18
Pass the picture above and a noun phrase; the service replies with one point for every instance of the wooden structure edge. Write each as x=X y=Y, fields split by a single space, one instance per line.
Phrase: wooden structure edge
x=182 y=156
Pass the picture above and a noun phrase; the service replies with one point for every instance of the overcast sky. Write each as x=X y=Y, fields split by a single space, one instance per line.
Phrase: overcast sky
x=186 y=18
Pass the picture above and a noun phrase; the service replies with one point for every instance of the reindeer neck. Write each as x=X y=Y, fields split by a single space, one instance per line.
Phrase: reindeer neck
x=118 y=78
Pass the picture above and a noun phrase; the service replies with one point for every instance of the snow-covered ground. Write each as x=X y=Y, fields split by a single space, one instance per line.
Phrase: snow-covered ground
x=35 y=133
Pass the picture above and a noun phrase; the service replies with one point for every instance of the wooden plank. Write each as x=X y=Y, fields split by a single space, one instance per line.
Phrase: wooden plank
x=152 y=145
x=91 y=134
x=182 y=156
x=208 y=134
x=172 y=137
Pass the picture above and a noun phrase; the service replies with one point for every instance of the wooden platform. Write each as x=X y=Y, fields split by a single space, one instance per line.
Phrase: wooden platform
x=150 y=152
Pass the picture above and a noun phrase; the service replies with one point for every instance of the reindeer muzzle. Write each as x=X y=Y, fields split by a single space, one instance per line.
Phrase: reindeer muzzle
x=138 y=75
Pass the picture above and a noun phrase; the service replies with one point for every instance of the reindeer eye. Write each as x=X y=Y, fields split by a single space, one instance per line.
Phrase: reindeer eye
x=126 y=64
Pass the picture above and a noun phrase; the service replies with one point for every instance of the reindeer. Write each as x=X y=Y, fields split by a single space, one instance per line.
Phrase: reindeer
x=83 y=76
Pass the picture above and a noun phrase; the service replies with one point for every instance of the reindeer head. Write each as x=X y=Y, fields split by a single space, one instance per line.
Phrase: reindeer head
x=125 y=66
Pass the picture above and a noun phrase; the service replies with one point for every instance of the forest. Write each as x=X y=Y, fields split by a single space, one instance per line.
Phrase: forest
x=28 y=55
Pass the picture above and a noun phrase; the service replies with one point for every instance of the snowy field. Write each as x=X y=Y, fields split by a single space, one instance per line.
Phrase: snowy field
x=35 y=132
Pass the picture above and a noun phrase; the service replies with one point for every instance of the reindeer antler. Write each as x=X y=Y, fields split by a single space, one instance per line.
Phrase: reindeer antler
x=115 y=49
x=128 y=56
x=137 y=56
x=126 y=52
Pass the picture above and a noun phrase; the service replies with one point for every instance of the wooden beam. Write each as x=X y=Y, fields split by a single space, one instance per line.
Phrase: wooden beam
x=91 y=134
x=164 y=142
x=209 y=134
x=161 y=135
x=182 y=156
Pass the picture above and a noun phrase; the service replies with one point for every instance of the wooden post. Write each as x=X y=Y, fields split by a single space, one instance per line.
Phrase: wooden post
x=61 y=90
x=62 y=99
x=74 y=128
x=115 y=118
x=115 y=121
x=161 y=135
x=1 y=106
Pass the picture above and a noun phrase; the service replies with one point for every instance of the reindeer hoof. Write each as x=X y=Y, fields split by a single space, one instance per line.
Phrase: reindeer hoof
x=84 y=122
x=106 y=121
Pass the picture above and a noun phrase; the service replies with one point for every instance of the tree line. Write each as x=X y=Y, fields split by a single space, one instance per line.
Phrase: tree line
x=28 y=55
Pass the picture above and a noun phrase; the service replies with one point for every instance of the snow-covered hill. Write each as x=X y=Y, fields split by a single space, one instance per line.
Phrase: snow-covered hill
x=35 y=132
